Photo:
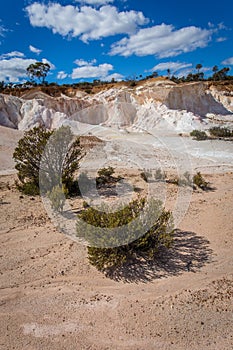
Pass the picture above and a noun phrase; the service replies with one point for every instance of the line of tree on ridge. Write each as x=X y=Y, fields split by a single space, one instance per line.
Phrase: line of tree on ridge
x=38 y=71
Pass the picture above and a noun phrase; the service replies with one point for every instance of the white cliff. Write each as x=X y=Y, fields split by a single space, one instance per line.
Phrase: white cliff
x=153 y=105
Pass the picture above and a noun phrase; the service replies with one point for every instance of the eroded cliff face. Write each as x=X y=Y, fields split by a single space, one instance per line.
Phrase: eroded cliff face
x=154 y=105
x=196 y=98
x=10 y=111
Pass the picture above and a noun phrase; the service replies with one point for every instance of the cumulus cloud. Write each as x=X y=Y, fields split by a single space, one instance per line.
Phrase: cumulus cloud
x=12 y=54
x=44 y=60
x=95 y=2
x=173 y=66
x=13 y=66
x=62 y=75
x=34 y=49
x=228 y=61
x=86 y=22
x=162 y=41
x=14 y=69
x=80 y=62
x=91 y=71
x=115 y=76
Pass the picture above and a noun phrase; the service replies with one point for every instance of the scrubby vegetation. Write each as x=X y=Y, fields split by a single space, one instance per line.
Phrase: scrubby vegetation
x=105 y=175
x=215 y=132
x=221 y=132
x=38 y=71
x=118 y=238
x=199 y=181
x=44 y=157
x=199 y=135
x=57 y=197
x=144 y=176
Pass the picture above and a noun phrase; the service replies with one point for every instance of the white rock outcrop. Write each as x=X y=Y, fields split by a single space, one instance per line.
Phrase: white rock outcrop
x=154 y=105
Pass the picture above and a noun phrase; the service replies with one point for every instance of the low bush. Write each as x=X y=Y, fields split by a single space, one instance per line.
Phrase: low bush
x=220 y=132
x=105 y=175
x=199 y=181
x=108 y=248
x=28 y=188
x=57 y=197
x=198 y=135
x=144 y=176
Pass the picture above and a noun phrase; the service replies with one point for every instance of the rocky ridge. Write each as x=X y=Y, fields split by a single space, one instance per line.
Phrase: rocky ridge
x=156 y=104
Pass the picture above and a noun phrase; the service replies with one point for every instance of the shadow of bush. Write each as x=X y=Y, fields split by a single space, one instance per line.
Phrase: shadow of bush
x=187 y=248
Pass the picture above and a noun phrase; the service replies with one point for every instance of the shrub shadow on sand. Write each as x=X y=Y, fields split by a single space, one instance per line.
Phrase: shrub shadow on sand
x=189 y=252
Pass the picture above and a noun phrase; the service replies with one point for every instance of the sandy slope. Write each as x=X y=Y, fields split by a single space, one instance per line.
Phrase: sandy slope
x=51 y=298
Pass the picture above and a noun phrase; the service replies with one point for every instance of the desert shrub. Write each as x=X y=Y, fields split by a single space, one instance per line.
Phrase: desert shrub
x=108 y=249
x=198 y=135
x=85 y=205
x=137 y=189
x=42 y=157
x=105 y=175
x=173 y=180
x=27 y=156
x=57 y=197
x=159 y=175
x=144 y=176
x=220 y=132
x=199 y=181
x=132 y=83
x=88 y=90
x=28 y=188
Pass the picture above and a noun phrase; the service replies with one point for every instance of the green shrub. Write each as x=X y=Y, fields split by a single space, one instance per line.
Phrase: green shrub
x=198 y=135
x=42 y=157
x=57 y=197
x=109 y=249
x=85 y=205
x=105 y=176
x=144 y=176
x=173 y=180
x=28 y=188
x=220 y=132
x=199 y=181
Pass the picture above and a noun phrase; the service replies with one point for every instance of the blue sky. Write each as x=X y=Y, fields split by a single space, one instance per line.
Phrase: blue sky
x=104 y=39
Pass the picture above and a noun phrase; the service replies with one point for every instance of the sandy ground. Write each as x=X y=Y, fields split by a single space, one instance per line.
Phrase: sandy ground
x=52 y=298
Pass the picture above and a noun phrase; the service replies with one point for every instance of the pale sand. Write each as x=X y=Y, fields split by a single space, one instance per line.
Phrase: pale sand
x=52 y=298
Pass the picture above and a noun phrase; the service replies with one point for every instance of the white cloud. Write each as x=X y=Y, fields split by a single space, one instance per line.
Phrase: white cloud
x=228 y=61
x=14 y=69
x=2 y=31
x=80 y=62
x=86 y=22
x=94 y=2
x=12 y=54
x=162 y=41
x=173 y=66
x=90 y=71
x=62 y=75
x=222 y=26
x=115 y=76
x=221 y=39
x=34 y=49
x=44 y=60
